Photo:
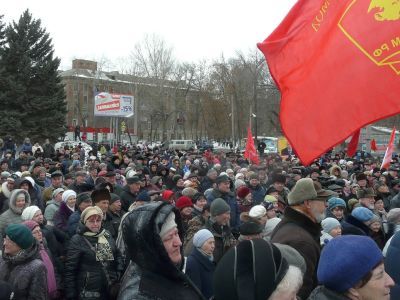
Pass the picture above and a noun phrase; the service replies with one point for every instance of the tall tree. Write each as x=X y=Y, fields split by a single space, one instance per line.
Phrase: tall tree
x=31 y=93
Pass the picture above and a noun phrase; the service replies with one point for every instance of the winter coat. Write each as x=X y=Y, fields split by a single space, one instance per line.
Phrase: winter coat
x=206 y=184
x=257 y=193
x=13 y=214
x=151 y=274
x=61 y=217
x=127 y=198
x=84 y=275
x=73 y=222
x=51 y=208
x=322 y=293
x=231 y=201
x=26 y=273
x=300 y=232
x=48 y=151
x=200 y=270
x=111 y=223
x=352 y=226
x=392 y=266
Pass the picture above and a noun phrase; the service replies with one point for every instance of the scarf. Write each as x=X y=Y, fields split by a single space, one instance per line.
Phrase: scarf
x=51 y=277
x=210 y=257
x=102 y=247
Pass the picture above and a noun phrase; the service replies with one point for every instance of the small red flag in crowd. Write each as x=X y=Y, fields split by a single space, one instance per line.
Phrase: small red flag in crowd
x=389 y=151
x=352 y=147
x=337 y=66
x=250 y=152
x=373 y=145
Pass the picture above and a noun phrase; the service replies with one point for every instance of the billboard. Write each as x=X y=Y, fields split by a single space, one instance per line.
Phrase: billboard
x=113 y=105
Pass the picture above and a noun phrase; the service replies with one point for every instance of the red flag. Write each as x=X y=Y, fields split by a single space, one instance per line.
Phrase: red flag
x=373 y=145
x=389 y=151
x=352 y=147
x=250 y=152
x=337 y=66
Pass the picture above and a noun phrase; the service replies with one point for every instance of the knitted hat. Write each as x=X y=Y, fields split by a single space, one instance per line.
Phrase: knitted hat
x=222 y=178
x=336 y=202
x=168 y=224
x=30 y=224
x=250 y=228
x=83 y=197
x=56 y=192
x=143 y=196
x=114 y=197
x=243 y=191
x=183 y=202
x=21 y=235
x=67 y=194
x=99 y=195
x=90 y=211
x=201 y=237
x=329 y=223
x=303 y=190
x=29 y=212
x=219 y=207
x=257 y=211
x=167 y=194
x=345 y=260
x=251 y=270
x=352 y=203
x=270 y=198
x=239 y=183
x=362 y=214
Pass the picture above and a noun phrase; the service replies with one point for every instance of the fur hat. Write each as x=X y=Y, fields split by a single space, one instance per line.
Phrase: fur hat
x=251 y=270
x=99 y=195
x=366 y=193
x=303 y=190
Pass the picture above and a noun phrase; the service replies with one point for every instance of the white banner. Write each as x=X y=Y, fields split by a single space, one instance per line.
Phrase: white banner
x=113 y=105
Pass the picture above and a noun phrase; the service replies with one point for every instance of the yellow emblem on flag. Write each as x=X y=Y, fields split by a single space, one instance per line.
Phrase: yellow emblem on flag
x=377 y=37
x=388 y=10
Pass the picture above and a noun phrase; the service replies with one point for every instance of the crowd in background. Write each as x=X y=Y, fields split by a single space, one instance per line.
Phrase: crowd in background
x=132 y=223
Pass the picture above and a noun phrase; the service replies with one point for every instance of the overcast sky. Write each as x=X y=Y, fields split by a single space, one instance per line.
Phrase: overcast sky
x=195 y=29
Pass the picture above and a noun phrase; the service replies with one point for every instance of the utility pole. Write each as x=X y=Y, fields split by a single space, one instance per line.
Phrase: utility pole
x=233 y=123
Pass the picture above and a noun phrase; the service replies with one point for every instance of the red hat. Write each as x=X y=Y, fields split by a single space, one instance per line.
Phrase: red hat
x=243 y=191
x=183 y=202
x=167 y=194
x=102 y=173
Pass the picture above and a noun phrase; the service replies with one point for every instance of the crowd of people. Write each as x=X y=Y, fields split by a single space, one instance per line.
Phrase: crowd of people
x=132 y=223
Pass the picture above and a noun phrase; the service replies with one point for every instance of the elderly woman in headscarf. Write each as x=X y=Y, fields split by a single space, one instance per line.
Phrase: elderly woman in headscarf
x=67 y=207
x=94 y=263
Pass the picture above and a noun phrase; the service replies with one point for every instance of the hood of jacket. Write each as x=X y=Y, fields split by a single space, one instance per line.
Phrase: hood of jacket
x=141 y=228
x=13 y=199
x=5 y=190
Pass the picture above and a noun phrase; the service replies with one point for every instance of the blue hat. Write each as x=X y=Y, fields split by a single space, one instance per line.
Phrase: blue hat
x=143 y=196
x=345 y=260
x=362 y=214
x=336 y=202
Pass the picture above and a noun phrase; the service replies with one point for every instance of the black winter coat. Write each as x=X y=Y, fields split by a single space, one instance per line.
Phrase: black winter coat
x=84 y=275
x=201 y=270
x=127 y=198
x=111 y=223
x=352 y=226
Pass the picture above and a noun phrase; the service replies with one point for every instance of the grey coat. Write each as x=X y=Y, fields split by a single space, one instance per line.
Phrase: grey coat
x=322 y=293
x=13 y=214
x=26 y=273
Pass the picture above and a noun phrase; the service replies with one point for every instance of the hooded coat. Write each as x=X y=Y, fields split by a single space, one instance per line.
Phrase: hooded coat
x=26 y=273
x=151 y=274
x=13 y=215
x=4 y=197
